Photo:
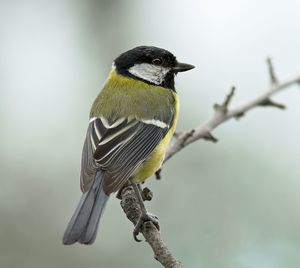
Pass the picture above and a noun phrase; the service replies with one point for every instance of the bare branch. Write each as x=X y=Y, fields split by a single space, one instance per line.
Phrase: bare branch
x=132 y=210
x=224 y=114
x=223 y=108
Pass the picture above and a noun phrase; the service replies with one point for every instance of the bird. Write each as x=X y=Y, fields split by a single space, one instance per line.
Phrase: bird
x=132 y=121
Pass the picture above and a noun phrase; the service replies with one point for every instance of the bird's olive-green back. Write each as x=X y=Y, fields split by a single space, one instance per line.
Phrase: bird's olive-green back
x=127 y=97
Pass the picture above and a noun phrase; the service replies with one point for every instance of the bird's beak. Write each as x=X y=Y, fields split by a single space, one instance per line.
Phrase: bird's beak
x=182 y=67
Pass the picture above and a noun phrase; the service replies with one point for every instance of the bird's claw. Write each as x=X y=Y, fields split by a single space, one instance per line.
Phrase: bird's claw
x=143 y=218
x=147 y=194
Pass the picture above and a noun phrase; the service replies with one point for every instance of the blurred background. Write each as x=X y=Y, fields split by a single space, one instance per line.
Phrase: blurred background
x=234 y=204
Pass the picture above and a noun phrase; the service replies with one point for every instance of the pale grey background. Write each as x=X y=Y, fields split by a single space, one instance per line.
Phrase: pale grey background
x=230 y=205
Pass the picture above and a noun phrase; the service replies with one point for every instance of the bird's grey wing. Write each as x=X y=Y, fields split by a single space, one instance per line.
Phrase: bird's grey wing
x=118 y=148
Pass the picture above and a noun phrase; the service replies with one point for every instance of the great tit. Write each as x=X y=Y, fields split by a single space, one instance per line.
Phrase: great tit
x=132 y=121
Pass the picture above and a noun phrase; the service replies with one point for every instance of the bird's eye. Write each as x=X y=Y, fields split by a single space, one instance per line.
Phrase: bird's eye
x=157 y=61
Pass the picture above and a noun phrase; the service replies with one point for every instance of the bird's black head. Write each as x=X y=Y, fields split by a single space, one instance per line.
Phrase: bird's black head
x=152 y=65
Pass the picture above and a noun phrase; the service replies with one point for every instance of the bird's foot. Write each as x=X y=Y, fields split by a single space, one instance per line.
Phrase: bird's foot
x=144 y=218
x=147 y=194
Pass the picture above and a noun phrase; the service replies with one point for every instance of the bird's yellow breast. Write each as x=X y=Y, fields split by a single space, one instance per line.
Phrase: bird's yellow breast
x=155 y=159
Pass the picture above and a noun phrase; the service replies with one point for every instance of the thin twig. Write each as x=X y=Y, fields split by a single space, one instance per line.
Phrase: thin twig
x=273 y=77
x=270 y=103
x=158 y=174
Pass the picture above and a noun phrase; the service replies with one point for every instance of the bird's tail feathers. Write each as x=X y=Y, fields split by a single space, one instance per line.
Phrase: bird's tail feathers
x=84 y=223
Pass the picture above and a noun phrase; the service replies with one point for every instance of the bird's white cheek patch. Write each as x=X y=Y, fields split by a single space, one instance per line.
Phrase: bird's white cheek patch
x=149 y=72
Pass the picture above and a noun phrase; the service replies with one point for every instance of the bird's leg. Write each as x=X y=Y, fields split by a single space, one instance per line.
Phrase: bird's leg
x=146 y=193
x=145 y=216
x=119 y=193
